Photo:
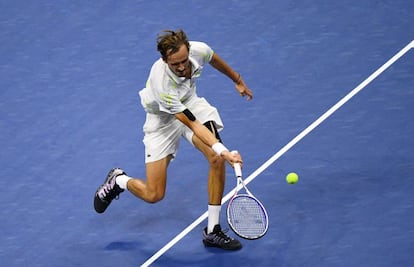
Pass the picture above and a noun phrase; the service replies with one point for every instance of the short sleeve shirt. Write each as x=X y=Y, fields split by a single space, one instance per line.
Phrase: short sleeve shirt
x=165 y=91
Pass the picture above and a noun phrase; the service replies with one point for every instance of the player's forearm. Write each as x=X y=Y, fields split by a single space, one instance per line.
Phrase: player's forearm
x=198 y=129
x=204 y=134
x=209 y=139
x=219 y=64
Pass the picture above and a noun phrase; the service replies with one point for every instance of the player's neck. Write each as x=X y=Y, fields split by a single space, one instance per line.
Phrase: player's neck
x=188 y=71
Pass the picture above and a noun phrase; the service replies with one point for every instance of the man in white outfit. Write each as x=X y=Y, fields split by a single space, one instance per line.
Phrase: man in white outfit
x=174 y=110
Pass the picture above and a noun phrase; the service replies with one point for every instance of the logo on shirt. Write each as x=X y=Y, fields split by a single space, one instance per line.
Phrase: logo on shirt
x=167 y=98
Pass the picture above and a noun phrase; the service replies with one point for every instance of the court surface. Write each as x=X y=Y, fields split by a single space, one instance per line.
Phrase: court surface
x=69 y=76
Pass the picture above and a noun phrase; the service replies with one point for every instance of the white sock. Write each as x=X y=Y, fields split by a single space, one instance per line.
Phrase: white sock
x=213 y=217
x=122 y=181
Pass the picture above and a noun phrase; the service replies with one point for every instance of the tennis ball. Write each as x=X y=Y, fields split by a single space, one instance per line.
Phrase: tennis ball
x=292 y=178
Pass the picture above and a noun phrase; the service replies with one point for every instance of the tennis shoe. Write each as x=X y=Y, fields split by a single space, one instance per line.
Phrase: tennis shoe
x=108 y=191
x=220 y=239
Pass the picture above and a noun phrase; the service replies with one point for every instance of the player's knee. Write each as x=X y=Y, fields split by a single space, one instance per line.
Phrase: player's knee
x=216 y=160
x=154 y=197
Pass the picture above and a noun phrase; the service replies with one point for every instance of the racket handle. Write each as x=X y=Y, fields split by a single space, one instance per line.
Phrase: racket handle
x=237 y=167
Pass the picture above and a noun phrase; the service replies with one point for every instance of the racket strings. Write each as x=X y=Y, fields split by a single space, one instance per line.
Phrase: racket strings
x=247 y=216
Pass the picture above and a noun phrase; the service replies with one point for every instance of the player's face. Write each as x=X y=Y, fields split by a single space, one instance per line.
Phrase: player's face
x=179 y=63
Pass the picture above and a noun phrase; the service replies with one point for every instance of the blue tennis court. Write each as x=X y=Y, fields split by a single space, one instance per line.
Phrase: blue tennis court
x=70 y=72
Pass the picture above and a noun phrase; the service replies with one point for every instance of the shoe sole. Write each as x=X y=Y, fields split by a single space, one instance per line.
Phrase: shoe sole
x=211 y=245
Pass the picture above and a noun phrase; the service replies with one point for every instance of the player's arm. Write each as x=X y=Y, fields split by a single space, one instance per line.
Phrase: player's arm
x=218 y=63
x=207 y=137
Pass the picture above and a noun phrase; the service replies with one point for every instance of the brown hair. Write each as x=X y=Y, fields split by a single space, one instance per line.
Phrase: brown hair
x=169 y=42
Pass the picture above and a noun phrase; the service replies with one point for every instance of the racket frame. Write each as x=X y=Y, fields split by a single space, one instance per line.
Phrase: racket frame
x=241 y=185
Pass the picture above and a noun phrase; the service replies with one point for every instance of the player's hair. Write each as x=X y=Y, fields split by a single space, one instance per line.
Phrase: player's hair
x=169 y=42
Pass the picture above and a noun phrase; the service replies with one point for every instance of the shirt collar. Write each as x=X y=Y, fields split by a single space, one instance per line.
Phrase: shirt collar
x=195 y=71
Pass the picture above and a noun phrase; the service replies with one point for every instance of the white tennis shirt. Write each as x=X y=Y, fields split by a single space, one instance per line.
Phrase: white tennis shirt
x=165 y=91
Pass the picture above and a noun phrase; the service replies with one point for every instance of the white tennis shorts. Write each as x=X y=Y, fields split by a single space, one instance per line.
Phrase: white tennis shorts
x=162 y=132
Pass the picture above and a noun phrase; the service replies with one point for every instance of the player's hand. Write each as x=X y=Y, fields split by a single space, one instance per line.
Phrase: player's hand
x=232 y=157
x=243 y=89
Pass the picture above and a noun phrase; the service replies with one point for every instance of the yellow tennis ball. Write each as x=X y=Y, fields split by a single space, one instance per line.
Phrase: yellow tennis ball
x=292 y=178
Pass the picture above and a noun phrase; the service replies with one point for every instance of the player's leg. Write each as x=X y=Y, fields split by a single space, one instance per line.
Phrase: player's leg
x=153 y=189
x=161 y=143
x=216 y=173
x=212 y=235
x=217 y=170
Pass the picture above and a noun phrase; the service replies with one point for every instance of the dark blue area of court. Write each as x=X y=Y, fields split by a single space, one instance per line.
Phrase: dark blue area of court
x=69 y=76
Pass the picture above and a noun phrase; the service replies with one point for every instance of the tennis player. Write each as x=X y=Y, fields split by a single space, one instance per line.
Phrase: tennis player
x=173 y=111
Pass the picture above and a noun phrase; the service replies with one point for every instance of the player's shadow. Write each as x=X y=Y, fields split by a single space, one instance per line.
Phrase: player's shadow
x=123 y=245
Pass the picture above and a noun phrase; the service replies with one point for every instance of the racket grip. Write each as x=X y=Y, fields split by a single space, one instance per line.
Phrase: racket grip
x=237 y=167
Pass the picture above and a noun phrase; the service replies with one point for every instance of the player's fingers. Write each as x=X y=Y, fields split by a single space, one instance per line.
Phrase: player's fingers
x=238 y=159
x=247 y=93
x=235 y=158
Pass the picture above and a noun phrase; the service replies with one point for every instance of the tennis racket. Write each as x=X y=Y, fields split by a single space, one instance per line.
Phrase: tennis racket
x=246 y=215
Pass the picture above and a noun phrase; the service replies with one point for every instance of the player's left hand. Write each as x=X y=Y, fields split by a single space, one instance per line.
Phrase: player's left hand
x=243 y=89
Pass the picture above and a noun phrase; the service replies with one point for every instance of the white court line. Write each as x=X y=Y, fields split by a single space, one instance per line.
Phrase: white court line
x=288 y=146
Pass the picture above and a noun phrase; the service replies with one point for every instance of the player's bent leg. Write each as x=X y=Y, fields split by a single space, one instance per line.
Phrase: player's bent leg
x=153 y=189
